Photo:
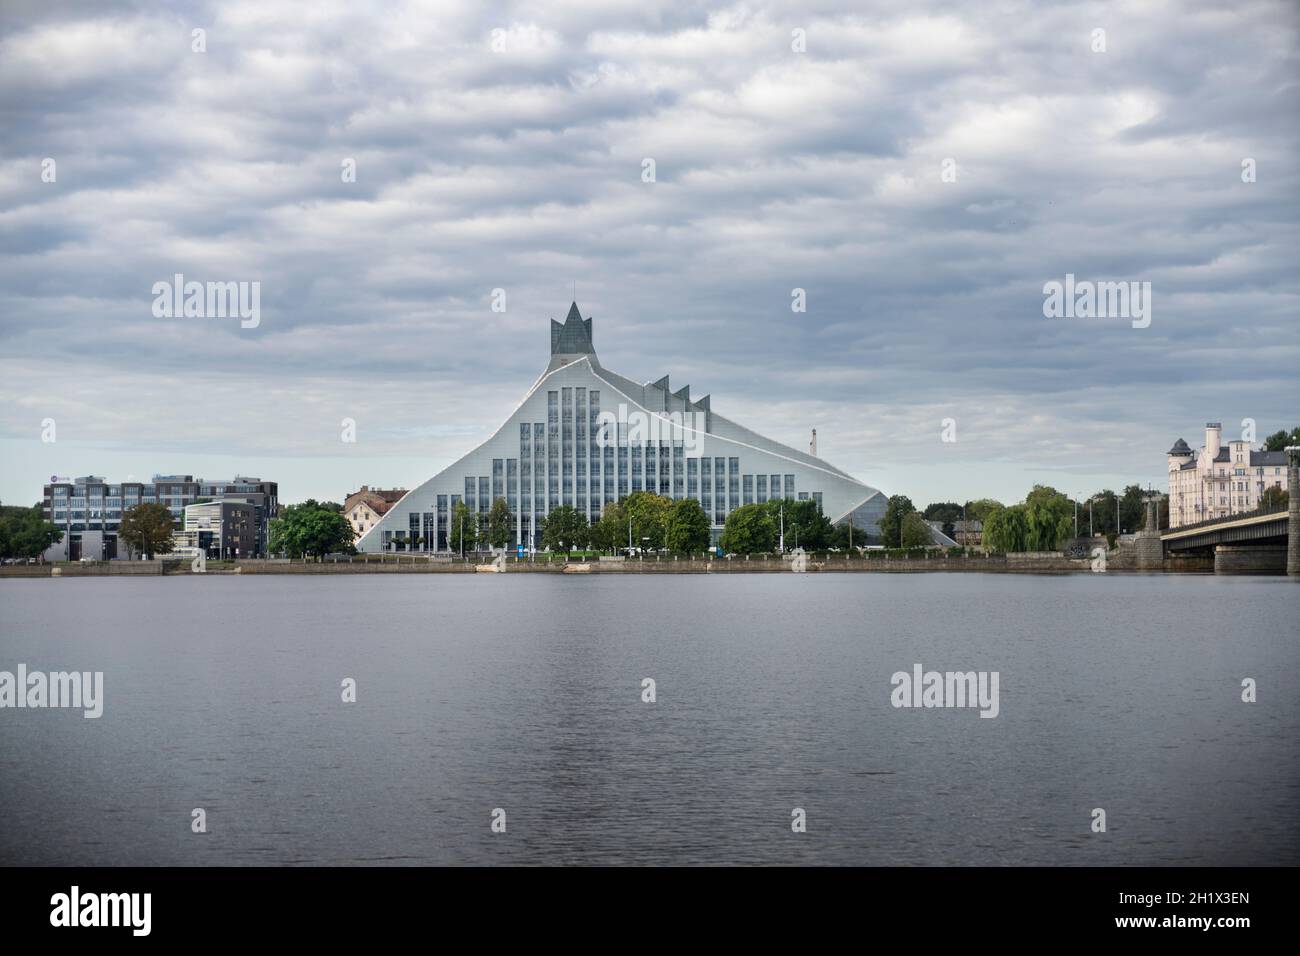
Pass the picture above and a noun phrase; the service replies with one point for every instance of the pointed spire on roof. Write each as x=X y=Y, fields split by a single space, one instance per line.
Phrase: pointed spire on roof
x=703 y=402
x=684 y=393
x=573 y=337
x=662 y=383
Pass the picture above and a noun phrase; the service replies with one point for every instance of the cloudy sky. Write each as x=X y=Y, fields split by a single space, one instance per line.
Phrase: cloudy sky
x=503 y=146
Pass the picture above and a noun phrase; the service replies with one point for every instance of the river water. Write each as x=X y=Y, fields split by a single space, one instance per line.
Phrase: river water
x=773 y=692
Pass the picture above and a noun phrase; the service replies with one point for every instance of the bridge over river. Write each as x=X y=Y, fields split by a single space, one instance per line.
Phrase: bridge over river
x=1251 y=541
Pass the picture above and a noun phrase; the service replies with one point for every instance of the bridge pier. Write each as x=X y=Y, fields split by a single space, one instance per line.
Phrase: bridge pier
x=1250 y=558
x=1293 y=511
x=1148 y=548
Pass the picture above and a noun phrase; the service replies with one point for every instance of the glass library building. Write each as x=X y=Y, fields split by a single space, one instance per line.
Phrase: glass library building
x=585 y=436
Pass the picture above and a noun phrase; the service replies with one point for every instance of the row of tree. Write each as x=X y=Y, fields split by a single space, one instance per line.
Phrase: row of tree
x=1044 y=521
x=641 y=520
x=757 y=528
x=1109 y=514
x=647 y=521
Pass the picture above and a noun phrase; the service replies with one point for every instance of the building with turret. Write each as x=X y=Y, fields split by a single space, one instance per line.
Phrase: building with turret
x=1221 y=478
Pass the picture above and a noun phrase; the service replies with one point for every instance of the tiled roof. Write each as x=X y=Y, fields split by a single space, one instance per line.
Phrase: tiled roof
x=378 y=500
x=1268 y=458
x=1258 y=459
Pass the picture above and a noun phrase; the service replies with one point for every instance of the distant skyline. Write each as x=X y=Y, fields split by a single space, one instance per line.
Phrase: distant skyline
x=516 y=160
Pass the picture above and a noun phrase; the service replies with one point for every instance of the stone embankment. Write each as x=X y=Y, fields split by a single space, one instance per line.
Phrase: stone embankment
x=1026 y=563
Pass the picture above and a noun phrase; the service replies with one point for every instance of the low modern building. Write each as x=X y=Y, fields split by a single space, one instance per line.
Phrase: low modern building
x=222 y=529
x=969 y=533
x=367 y=505
x=1221 y=478
x=586 y=436
x=89 y=509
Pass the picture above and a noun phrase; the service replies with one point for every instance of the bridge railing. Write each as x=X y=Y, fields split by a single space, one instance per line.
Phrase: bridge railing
x=1235 y=516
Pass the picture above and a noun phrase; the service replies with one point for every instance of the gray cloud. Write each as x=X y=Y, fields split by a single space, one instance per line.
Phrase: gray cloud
x=521 y=169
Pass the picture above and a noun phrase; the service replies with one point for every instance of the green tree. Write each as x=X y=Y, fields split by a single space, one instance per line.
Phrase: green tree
x=749 y=530
x=649 y=514
x=1132 y=515
x=24 y=532
x=1103 y=512
x=1005 y=529
x=564 y=529
x=915 y=533
x=462 y=529
x=841 y=538
x=946 y=512
x=500 y=524
x=978 y=509
x=310 y=529
x=610 y=532
x=147 y=528
x=804 y=523
x=1274 y=498
x=1279 y=440
x=687 y=527
x=1049 y=518
x=891 y=525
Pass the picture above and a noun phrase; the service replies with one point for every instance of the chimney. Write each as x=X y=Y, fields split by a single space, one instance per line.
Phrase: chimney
x=1212 y=430
x=812 y=445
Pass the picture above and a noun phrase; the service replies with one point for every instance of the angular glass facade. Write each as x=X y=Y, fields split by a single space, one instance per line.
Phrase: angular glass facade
x=585 y=436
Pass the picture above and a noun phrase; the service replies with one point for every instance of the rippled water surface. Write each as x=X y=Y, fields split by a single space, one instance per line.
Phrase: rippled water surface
x=524 y=692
